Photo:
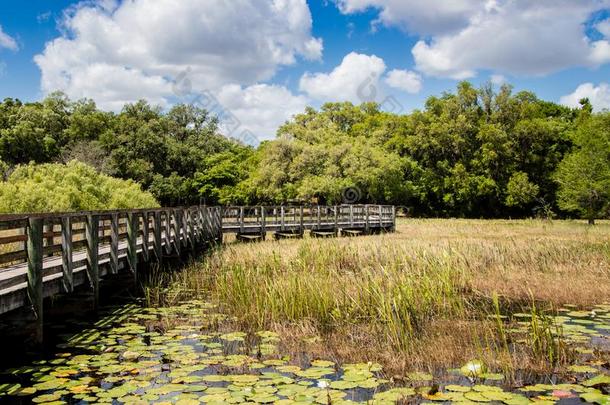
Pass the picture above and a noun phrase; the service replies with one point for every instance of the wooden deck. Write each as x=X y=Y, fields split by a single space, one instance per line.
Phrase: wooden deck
x=42 y=255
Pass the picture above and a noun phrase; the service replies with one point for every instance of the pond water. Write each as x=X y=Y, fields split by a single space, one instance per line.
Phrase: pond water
x=182 y=355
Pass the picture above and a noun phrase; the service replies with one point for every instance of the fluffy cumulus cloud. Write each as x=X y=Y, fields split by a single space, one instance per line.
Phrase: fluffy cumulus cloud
x=599 y=96
x=258 y=109
x=431 y=17
x=117 y=52
x=6 y=41
x=508 y=36
x=405 y=80
x=356 y=79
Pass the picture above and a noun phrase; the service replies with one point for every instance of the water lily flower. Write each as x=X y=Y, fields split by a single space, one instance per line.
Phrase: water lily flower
x=322 y=384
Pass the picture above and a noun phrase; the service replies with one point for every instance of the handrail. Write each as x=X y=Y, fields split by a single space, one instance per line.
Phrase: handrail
x=42 y=254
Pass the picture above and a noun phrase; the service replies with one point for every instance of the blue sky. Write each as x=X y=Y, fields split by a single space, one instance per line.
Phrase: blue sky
x=262 y=61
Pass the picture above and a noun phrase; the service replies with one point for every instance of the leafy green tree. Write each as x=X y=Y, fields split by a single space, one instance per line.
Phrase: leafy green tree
x=73 y=187
x=520 y=192
x=584 y=175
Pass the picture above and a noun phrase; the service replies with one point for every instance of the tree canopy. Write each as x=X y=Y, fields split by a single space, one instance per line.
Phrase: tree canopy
x=482 y=152
x=55 y=187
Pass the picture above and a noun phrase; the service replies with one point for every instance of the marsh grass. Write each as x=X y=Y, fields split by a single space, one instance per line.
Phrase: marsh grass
x=431 y=295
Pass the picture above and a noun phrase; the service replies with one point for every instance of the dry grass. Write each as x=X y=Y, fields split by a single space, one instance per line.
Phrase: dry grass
x=420 y=298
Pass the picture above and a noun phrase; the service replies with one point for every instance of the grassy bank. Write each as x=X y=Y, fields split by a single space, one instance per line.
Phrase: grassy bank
x=432 y=295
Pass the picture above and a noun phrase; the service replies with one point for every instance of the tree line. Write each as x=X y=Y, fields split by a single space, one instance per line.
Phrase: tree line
x=470 y=153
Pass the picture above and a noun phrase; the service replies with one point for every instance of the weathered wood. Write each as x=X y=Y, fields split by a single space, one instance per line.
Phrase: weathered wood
x=263 y=222
x=132 y=243
x=157 y=241
x=66 y=254
x=114 y=243
x=241 y=219
x=101 y=243
x=34 y=273
x=93 y=270
x=177 y=231
x=145 y=242
x=168 y=231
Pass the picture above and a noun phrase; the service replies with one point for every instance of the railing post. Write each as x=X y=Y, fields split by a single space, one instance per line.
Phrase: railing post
x=263 y=222
x=66 y=253
x=177 y=231
x=367 y=225
x=157 y=236
x=393 y=218
x=301 y=224
x=92 y=236
x=132 y=242
x=241 y=219
x=168 y=232
x=114 y=243
x=336 y=218
x=381 y=216
x=145 y=224
x=34 y=276
x=319 y=218
x=219 y=224
x=351 y=216
x=282 y=218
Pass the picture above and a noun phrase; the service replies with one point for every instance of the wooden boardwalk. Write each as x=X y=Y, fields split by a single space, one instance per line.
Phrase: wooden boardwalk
x=42 y=255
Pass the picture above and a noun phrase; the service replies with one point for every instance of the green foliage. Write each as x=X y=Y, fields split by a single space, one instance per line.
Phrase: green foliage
x=472 y=153
x=584 y=175
x=71 y=187
x=520 y=191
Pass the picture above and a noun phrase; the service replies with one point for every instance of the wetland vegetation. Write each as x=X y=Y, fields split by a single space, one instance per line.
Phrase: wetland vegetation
x=464 y=311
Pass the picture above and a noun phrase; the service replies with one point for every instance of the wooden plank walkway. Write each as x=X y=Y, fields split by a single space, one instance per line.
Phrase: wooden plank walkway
x=42 y=255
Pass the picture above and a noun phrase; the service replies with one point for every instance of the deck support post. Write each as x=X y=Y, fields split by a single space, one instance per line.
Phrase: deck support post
x=66 y=254
x=34 y=276
x=158 y=243
x=263 y=223
x=132 y=243
x=177 y=232
x=241 y=219
x=93 y=270
x=114 y=243
x=145 y=239
x=168 y=232
x=301 y=224
x=319 y=218
x=337 y=219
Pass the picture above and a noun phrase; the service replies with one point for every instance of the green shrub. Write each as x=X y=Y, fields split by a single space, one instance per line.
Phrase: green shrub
x=70 y=187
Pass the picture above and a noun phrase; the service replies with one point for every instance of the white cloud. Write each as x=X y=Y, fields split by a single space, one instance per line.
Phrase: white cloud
x=117 y=52
x=497 y=79
x=521 y=37
x=260 y=108
x=404 y=80
x=416 y=16
x=356 y=79
x=599 y=96
x=6 y=41
x=242 y=41
x=604 y=28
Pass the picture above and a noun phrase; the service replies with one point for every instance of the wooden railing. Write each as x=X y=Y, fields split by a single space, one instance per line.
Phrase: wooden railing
x=45 y=254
